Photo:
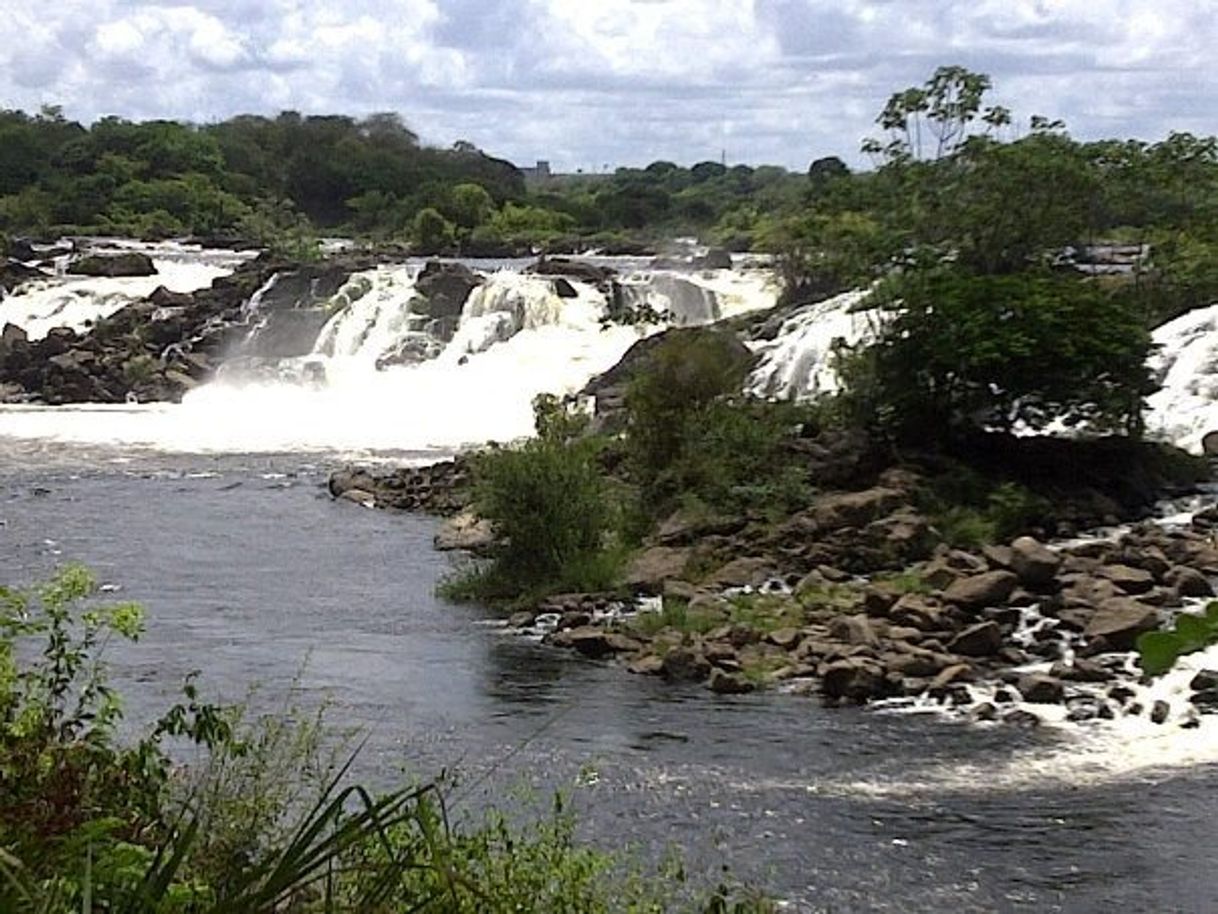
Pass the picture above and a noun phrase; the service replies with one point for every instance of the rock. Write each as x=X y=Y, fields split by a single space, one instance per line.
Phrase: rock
x=722 y=683
x=1209 y=444
x=466 y=531
x=854 y=509
x=1160 y=712
x=359 y=496
x=878 y=601
x=985 y=713
x=523 y=619
x=713 y=259
x=1128 y=580
x=989 y=589
x=685 y=664
x=596 y=642
x=1204 y=681
x=649 y=570
x=981 y=640
x=1081 y=670
x=1206 y=700
x=445 y=286
x=742 y=572
x=916 y=611
x=647 y=665
x=1188 y=582
x=1120 y=620
x=684 y=528
x=855 y=678
x=855 y=629
x=1025 y=720
x=998 y=557
x=1040 y=689
x=1035 y=564
x=128 y=263
x=786 y=638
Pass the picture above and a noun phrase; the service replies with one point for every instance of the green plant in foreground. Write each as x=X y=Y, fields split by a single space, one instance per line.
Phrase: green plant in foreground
x=265 y=820
x=1159 y=651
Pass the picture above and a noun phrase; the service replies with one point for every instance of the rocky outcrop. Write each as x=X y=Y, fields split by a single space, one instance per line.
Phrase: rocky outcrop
x=440 y=488
x=445 y=287
x=128 y=263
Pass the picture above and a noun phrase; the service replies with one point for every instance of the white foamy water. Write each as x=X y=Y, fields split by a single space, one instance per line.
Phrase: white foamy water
x=78 y=301
x=515 y=338
x=1186 y=408
x=798 y=362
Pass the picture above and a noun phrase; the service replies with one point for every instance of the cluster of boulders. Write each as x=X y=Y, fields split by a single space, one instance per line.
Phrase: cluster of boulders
x=855 y=599
x=161 y=347
x=439 y=488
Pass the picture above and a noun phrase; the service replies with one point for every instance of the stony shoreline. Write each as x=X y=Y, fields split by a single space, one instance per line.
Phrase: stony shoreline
x=853 y=601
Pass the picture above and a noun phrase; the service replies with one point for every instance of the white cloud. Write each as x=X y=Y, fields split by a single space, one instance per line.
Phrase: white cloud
x=615 y=81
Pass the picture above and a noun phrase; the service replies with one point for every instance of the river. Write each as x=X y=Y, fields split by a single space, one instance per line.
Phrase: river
x=252 y=574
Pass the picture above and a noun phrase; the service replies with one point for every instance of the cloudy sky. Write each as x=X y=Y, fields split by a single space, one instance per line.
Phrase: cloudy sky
x=590 y=83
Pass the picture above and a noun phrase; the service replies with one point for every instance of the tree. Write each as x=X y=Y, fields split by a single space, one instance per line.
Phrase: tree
x=961 y=350
x=432 y=232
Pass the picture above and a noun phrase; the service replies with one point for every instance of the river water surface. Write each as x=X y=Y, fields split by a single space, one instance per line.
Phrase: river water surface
x=252 y=574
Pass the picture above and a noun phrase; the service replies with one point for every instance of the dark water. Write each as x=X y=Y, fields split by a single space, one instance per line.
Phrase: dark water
x=252 y=574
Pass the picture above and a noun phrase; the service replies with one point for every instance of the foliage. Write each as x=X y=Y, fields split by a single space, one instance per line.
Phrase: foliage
x=551 y=511
x=266 y=823
x=963 y=350
x=1158 y=651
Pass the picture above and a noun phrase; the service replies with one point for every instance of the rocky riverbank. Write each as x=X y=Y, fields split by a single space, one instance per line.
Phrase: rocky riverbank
x=856 y=598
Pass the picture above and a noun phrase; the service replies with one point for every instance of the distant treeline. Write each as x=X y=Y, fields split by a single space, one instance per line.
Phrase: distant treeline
x=254 y=177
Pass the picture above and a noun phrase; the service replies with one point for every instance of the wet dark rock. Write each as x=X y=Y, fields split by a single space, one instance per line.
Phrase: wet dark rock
x=1025 y=720
x=1206 y=700
x=855 y=679
x=595 y=642
x=986 y=713
x=1204 y=681
x=978 y=591
x=1120 y=620
x=685 y=664
x=1188 y=582
x=981 y=640
x=723 y=683
x=445 y=286
x=128 y=263
x=1160 y=712
x=1081 y=670
x=1040 y=689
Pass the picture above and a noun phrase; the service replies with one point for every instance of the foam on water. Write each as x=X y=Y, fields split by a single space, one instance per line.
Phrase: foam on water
x=515 y=338
x=1186 y=408
x=798 y=361
x=64 y=300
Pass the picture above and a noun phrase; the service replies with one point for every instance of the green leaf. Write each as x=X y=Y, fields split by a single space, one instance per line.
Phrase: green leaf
x=1159 y=651
x=1196 y=632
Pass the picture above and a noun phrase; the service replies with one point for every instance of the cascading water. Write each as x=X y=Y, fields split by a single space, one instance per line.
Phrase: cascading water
x=1186 y=408
x=798 y=362
x=64 y=300
x=387 y=372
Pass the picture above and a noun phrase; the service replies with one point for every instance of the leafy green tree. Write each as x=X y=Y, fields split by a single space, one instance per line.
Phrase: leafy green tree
x=961 y=350
x=432 y=232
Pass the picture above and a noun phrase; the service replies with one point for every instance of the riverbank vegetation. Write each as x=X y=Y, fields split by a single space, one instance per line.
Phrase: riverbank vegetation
x=983 y=324
x=263 y=817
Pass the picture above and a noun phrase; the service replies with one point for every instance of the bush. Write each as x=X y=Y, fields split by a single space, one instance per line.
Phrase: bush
x=264 y=824
x=964 y=351
x=552 y=513
x=691 y=436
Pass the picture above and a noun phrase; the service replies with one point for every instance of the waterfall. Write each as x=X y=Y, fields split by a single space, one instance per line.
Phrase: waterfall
x=1186 y=364
x=798 y=362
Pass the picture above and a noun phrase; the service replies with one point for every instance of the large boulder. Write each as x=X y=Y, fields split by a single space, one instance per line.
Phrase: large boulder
x=465 y=531
x=128 y=263
x=854 y=509
x=993 y=588
x=650 y=569
x=445 y=287
x=1120 y=620
x=981 y=640
x=856 y=679
x=1035 y=564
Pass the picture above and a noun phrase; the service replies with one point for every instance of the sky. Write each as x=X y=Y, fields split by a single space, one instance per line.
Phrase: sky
x=590 y=84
